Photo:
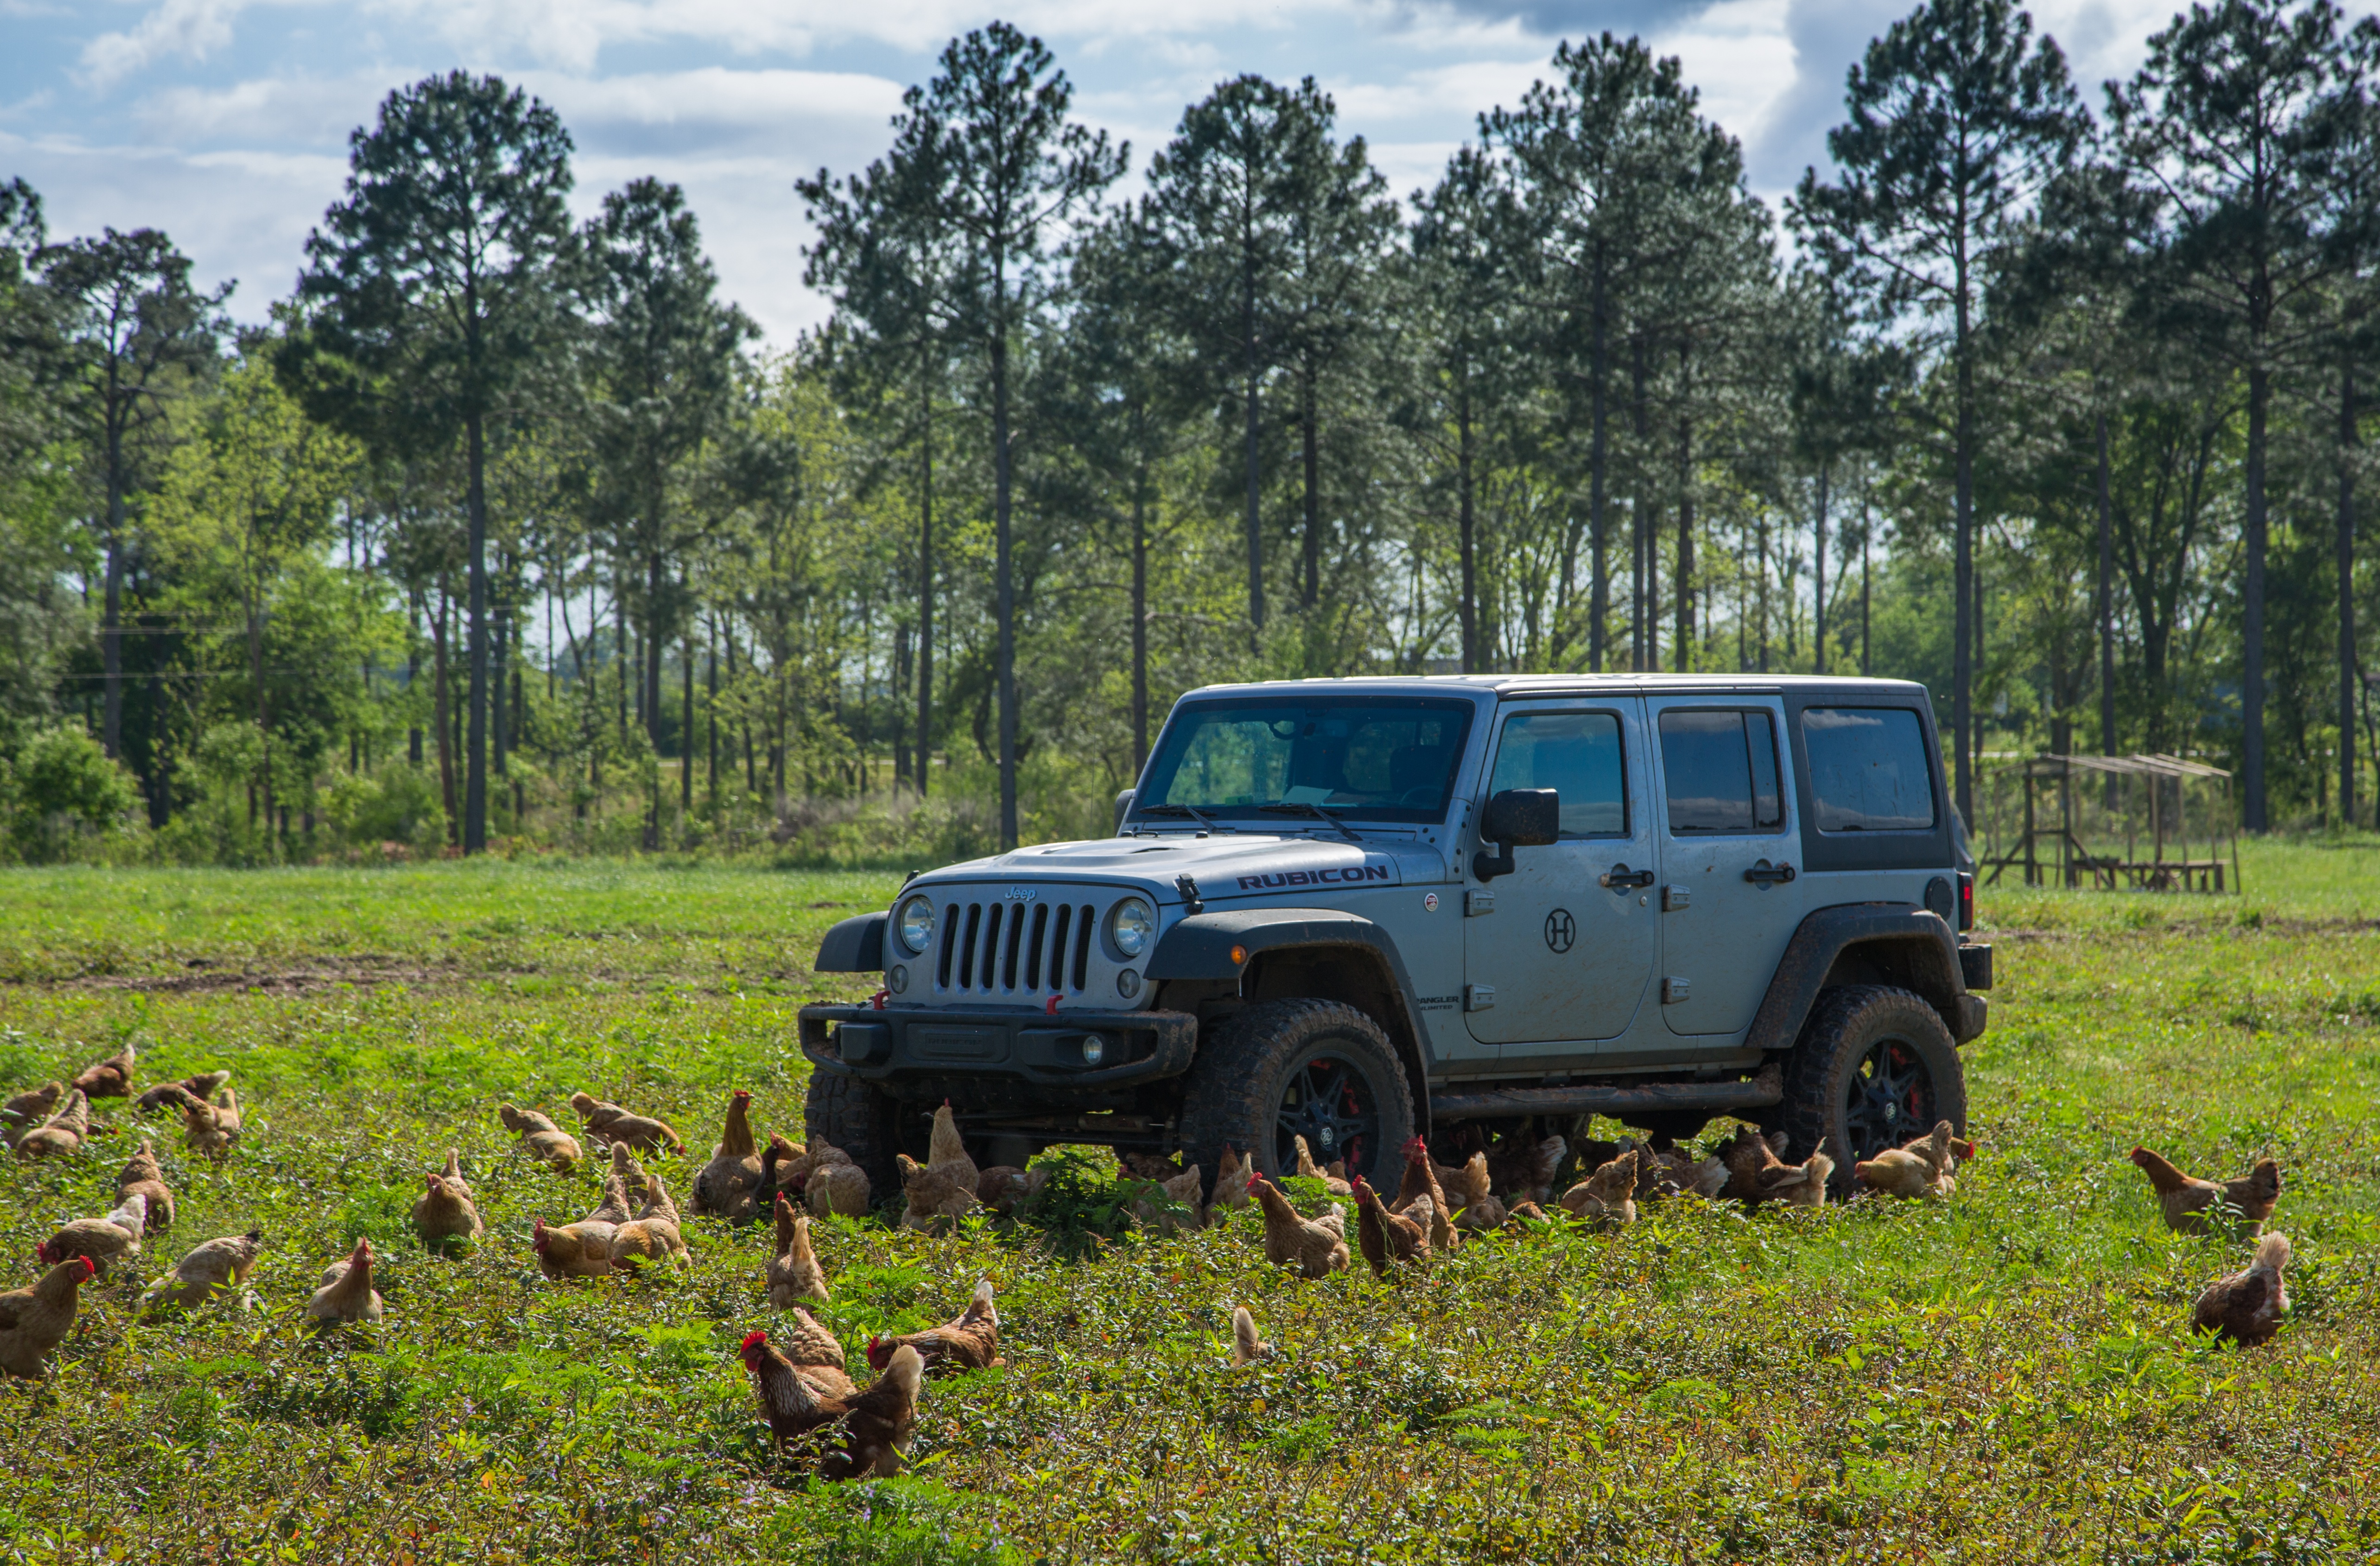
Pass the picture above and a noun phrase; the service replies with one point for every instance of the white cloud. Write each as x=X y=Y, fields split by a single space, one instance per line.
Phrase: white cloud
x=190 y=29
x=1741 y=56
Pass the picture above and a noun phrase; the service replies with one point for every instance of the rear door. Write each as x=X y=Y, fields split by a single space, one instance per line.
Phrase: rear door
x=1562 y=957
x=1726 y=850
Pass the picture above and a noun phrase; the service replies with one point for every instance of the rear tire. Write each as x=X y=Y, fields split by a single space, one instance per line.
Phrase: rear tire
x=1874 y=1068
x=859 y=1120
x=1280 y=1068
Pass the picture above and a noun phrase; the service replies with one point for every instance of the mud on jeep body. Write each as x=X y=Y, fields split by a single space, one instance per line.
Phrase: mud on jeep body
x=1353 y=910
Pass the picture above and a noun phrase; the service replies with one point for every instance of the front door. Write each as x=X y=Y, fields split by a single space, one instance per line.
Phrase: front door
x=1731 y=891
x=1565 y=954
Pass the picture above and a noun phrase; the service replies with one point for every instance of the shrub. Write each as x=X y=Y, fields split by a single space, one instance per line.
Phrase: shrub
x=397 y=804
x=63 y=794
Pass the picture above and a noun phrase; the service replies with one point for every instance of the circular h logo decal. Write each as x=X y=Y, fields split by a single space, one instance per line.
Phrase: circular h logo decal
x=1560 y=929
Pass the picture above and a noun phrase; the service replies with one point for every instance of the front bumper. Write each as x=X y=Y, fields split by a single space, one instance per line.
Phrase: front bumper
x=1019 y=1044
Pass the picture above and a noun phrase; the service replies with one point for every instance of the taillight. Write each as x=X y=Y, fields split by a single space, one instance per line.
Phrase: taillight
x=1966 y=901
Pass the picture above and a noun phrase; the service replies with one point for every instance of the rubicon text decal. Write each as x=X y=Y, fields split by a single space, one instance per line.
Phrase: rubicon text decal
x=1329 y=876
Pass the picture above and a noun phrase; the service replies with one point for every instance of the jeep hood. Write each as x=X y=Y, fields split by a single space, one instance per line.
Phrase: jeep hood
x=1226 y=866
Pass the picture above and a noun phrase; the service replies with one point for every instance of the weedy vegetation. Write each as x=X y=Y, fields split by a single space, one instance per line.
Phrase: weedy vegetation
x=2005 y=1377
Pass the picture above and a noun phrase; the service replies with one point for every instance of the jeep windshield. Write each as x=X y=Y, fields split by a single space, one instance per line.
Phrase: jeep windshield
x=1379 y=759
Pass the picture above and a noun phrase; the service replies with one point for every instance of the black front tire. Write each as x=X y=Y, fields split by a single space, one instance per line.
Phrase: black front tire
x=1874 y=1068
x=859 y=1120
x=1281 y=1068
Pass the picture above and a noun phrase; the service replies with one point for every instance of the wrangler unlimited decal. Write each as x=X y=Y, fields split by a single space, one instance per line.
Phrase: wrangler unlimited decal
x=1314 y=878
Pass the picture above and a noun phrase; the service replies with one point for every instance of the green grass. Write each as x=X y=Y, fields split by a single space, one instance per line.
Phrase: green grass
x=2003 y=1377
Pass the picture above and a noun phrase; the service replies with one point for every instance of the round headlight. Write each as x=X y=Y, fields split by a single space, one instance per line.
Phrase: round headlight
x=1130 y=924
x=916 y=923
x=1095 y=1049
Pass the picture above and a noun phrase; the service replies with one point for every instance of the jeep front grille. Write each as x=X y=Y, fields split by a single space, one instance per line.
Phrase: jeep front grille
x=1008 y=948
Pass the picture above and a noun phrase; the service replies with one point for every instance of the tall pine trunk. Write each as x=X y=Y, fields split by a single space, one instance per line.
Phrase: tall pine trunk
x=441 y=708
x=2346 y=543
x=474 y=745
x=1466 y=522
x=1004 y=587
x=1256 y=534
x=1599 y=590
x=1962 y=629
x=924 y=594
x=1818 y=576
x=1139 y=624
x=2252 y=687
x=111 y=635
x=1311 y=590
x=1685 y=584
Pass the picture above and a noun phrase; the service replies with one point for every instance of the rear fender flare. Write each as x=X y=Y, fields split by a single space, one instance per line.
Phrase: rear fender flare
x=1914 y=948
x=1201 y=947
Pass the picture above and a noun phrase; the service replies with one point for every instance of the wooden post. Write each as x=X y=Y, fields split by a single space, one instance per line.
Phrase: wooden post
x=2066 y=824
x=2032 y=869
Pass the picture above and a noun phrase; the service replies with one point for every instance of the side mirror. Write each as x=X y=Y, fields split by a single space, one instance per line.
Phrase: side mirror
x=1518 y=818
x=1123 y=806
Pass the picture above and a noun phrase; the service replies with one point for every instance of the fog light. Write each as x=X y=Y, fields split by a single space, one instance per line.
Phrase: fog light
x=1127 y=984
x=1095 y=1049
x=898 y=979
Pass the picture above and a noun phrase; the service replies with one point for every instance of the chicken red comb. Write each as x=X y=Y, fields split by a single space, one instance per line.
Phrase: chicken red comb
x=754 y=1340
x=1255 y=1181
x=741 y=1093
x=42 y=1252
x=90 y=1268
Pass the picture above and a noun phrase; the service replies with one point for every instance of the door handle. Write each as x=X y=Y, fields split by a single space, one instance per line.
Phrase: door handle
x=1619 y=878
x=1767 y=874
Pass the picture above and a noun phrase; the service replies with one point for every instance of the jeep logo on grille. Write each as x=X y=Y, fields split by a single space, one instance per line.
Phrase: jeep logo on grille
x=1018 y=894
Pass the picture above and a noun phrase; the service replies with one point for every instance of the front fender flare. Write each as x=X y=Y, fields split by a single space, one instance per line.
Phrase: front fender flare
x=1915 y=944
x=1202 y=947
x=853 y=945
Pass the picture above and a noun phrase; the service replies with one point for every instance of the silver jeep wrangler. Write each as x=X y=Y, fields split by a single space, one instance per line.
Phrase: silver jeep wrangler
x=1356 y=910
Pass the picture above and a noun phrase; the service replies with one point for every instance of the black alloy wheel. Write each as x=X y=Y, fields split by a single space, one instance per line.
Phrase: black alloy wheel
x=1889 y=1099
x=1276 y=1070
x=1874 y=1068
x=1331 y=1103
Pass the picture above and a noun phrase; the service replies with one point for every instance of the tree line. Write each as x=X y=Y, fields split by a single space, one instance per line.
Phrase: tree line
x=505 y=527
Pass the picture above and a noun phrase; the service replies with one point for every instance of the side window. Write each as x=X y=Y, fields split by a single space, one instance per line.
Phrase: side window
x=1577 y=753
x=1867 y=769
x=1719 y=766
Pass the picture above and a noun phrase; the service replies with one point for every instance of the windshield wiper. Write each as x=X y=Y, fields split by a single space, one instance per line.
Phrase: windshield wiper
x=1313 y=813
x=1191 y=811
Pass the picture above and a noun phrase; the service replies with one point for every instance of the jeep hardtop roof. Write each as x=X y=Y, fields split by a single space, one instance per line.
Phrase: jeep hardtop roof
x=1557 y=684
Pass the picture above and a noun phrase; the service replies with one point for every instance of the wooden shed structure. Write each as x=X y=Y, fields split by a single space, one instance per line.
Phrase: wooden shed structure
x=2176 y=818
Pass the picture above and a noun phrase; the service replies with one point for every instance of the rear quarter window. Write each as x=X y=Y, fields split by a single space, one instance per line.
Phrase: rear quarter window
x=1868 y=769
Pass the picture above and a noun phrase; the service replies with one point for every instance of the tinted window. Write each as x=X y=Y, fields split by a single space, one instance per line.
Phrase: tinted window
x=1867 y=768
x=1576 y=752
x=1389 y=759
x=1720 y=770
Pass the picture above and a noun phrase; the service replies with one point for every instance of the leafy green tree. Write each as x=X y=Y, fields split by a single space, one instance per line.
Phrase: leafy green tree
x=1631 y=197
x=1120 y=392
x=2234 y=119
x=61 y=786
x=38 y=619
x=138 y=337
x=430 y=292
x=242 y=506
x=661 y=362
x=886 y=254
x=1226 y=195
x=1012 y=164
x=1466 y=236
x=1957 y=118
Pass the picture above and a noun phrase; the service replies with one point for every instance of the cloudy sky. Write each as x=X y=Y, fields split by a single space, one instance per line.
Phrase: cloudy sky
x=224 y=122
